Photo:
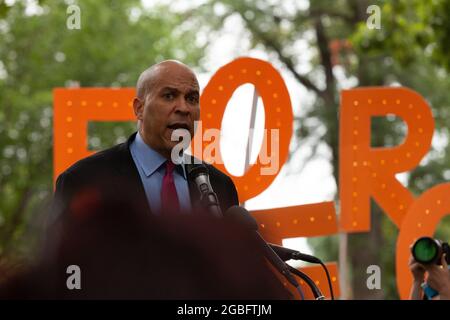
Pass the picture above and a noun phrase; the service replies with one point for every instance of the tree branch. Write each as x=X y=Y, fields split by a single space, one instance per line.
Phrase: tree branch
x=325 y=54
x=287 y=61
x=315 y=12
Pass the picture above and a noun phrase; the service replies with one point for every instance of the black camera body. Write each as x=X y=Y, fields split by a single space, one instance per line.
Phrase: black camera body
x=427 y=250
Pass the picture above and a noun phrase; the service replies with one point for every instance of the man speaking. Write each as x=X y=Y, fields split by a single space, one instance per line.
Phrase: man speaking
x=113 y=214
x=140 y=171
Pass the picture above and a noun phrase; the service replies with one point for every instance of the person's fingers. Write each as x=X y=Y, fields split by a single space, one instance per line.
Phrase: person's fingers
x=417 y=271
x=431 y=268
x=419 y=266
x=433 y=281
x=414 y=265
x=411 y=259
x=444 y=261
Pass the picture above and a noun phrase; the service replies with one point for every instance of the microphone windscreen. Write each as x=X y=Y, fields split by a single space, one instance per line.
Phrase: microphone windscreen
x=242 y=217
x=194 y=170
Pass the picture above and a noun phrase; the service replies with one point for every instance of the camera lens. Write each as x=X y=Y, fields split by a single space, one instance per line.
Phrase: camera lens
x=425 y=250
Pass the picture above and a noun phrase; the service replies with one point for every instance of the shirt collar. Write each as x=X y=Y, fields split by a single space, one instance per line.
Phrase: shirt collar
x=150 y=160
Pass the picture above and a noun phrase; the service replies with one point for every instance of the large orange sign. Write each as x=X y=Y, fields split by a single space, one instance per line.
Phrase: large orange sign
x=364 y=171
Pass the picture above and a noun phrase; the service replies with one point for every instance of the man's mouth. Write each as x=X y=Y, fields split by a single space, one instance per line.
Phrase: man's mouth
x=178 y=125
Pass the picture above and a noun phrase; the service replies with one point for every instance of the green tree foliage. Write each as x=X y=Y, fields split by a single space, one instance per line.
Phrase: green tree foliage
x=118 y=39
x=409 y=28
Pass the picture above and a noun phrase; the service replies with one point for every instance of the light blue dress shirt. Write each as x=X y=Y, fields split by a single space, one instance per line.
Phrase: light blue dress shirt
x=151 y=169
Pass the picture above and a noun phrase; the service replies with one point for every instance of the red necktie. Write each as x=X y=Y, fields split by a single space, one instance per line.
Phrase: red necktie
x=169 y=197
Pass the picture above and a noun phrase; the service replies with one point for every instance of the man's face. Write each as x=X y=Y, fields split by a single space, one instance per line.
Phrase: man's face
x=171 y=103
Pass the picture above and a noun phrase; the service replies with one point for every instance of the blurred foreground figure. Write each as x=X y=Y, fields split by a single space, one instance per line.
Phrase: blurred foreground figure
x=123 y=254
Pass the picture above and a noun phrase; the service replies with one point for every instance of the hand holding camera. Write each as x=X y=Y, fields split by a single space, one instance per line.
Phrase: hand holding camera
x=432 y=257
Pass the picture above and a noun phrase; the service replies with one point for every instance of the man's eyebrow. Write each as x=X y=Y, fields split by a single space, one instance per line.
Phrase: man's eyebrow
x=170 y=89
x=193 y=91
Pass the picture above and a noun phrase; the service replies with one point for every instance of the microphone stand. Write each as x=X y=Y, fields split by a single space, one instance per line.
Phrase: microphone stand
x=315 y=290
x=288 y=254
x=210 y=201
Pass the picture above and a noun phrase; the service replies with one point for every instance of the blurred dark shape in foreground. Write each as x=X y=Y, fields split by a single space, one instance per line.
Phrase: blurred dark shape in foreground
x=124 y=255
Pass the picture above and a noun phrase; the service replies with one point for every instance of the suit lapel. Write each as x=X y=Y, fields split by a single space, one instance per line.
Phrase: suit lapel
x=194 y=194
x=193 y=190
x=128 y=173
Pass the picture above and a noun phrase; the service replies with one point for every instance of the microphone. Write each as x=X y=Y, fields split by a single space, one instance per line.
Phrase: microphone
x=286 y=254
x=198 y=173
x=241 y=216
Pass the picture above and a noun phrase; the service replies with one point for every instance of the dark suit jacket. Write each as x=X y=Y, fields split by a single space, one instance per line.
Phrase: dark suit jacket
x=112 y=174
x=220 y=260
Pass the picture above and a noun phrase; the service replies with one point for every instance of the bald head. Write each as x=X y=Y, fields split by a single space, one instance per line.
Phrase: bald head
x=163 y=70
x=167 y=99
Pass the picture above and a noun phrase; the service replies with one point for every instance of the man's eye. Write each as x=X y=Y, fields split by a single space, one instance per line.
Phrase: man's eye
x=169 y=96
x=192 y=99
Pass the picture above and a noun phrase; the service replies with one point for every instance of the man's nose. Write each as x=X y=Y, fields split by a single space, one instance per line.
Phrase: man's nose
x=182 y=106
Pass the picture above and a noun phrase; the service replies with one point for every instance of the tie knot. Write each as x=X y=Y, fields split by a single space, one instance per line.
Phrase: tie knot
x=170 y=166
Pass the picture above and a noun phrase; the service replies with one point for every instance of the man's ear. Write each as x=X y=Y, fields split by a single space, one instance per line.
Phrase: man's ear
x=138 y=107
